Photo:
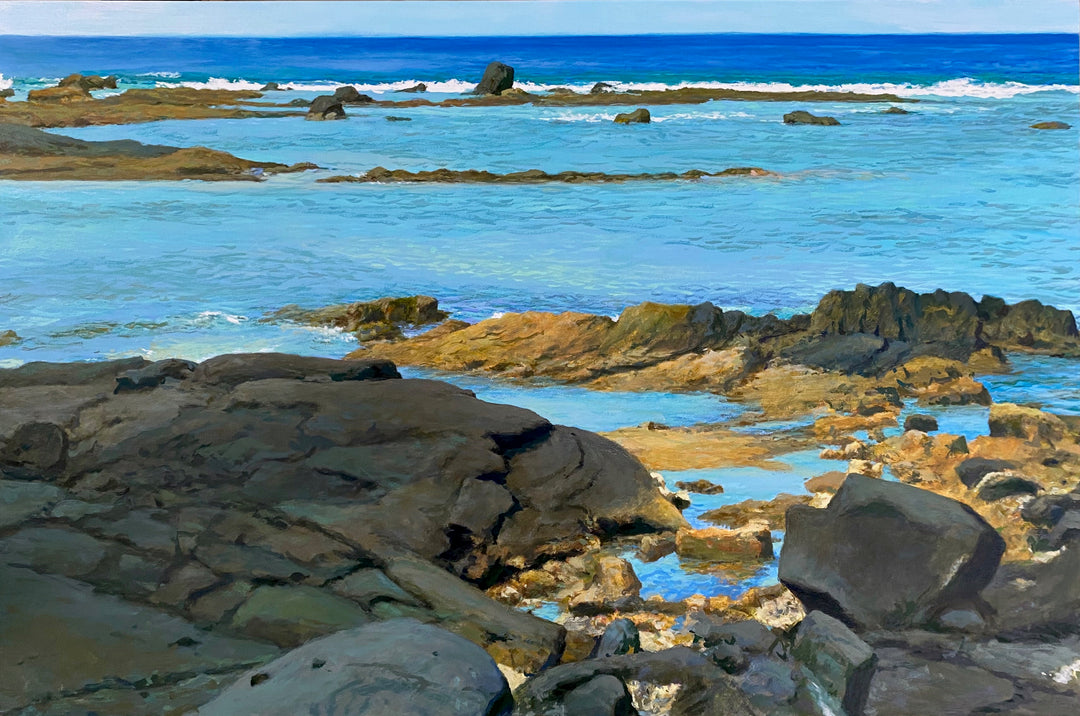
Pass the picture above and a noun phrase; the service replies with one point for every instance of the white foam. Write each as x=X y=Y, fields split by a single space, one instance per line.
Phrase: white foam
x=209 y=317
x=959 y=87
x=166 y=75
x=4 y=83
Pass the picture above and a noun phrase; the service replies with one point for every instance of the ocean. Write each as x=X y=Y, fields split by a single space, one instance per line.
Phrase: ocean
x=959 y=194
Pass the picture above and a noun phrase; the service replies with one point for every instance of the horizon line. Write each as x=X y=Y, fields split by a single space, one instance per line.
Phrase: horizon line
x=634 y=34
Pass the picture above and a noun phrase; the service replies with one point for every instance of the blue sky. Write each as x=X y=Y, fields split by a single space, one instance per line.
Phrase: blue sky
x=538 y=17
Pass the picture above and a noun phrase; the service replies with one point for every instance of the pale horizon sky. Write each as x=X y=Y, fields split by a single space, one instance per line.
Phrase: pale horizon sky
x=438 y=18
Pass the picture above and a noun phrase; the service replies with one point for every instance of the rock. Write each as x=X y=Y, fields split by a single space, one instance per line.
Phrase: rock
x=1037 y=597
x=497 y=78
x=89 y=82
x=1035 y=426
x=396 y=667
x=69 y=638
x=749 y=635
x=232 y=369
x=154 y=374
x=729 y=657
x=369 y=586
x=21 y=501
x=747 y=512
x=1047 y=510
x=7 y=92
x=613 y=579
x=290 y=615
x=363 y=316
x=325 y=107
x=9 y=338
x=392 y=118
x=802 y=117
x=905 y=685
x=842 y=662
x=64 y=95
x=895 y=110
x=907 y=554
x=923 y=423
x=418 y=87
x=769 y=686
x=300 y=102
x=270 y=87
x=702 y=487
x=620 y=637
x=999 y=485
x=972 y=470
x=603 y=695
x=350 y=95
x=1051 y=125
x=602 y=88
x=752 y=542
x=1027 y=324
x=35 y=450
x=638 y=116
x=827 y=482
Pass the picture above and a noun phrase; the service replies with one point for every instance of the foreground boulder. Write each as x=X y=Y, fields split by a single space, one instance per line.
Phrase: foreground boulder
x=841 y=661
x=397 y=667
x=638 y=116
x=325 y=107
x=803 y=117
x=887 y=555
x=497 y=79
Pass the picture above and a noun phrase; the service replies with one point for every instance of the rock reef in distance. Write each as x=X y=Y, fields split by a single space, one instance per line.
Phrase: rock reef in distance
x=30 y=154
x=381 y=175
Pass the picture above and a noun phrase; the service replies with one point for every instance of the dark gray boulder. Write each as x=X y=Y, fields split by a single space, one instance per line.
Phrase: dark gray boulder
x=602 y=88
x=885 y=554
x=638 y=116
x=842 y=662
x=270 y=87
x=8 y=92
x=399 y=666
x=603 y=695
x=497 y=79
x=350 y=95
x=418 y=87
x=325 y=107
x=803 y=117
x=620 y=637
x=974 y=469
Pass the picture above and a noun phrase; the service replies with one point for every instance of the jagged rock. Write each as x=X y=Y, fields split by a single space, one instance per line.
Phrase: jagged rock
x=906 y=685
x=638 y=116
x=803 y=117
x=270 y=87
x=719 y=545
x=620 y=637
x=398 y=666
x=972 y=470
x=999 y=485
x=350 y=95
x=89 y=82
x=603 y=695
x=602 y=88
x=923 y=423
x=418 y=87
x=325 y=107
x=1031 y=424
x=906 y=554
x=390 y=313
x=497 y=79
x=842 y=662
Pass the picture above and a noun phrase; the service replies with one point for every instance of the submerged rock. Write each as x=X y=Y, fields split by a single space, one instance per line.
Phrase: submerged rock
x=638 y=116
x=906 y=554
x=325 y=107
x=418 y=87
x=497 y=79
x=9 y=337
x=895 y=110
x=803 y=117
x=1051 y=125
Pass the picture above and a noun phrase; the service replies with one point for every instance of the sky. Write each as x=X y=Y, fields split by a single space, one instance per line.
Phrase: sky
x=537 y=17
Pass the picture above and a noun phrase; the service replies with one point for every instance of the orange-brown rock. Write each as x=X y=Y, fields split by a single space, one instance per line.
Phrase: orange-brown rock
x=712 y=544
x=767 y=512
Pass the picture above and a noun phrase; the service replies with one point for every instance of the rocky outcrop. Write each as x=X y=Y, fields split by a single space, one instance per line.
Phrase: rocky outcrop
x=399 y=666
x=638 y=116
x=381 y=319
x=273 y=499
x=89 y=82
x=418 y=87
x=602 y=88
x=270 y=87
x=64 y=95
x=325 y=107
x=907 y=554
x=531 y=176
x=803 y=117
x=497 y=79
x=31 y=154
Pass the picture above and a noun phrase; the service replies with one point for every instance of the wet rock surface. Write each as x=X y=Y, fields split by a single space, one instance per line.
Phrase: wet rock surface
x=531 y=176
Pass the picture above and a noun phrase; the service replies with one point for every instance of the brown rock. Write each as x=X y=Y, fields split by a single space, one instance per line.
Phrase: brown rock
x=713 y=544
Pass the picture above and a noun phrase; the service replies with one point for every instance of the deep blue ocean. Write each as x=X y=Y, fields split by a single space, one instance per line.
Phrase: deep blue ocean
x=960 y=194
